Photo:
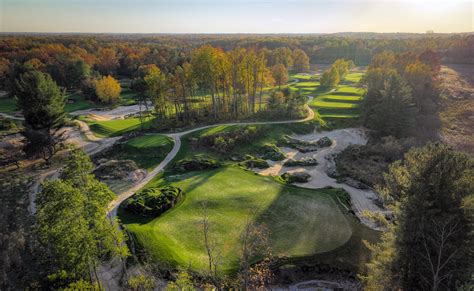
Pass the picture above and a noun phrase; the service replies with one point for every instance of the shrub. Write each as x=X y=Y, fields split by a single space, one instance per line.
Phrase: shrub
x=271 y=152
x=302 y=162
x=324 y=142
x=153 y=201
x=196 y=163
x=253 y=162
x=226 y=141
x=298 y=177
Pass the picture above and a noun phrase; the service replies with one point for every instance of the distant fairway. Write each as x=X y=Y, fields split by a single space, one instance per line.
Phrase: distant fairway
x=116 y=127
x=302 y=222
x=343 y=103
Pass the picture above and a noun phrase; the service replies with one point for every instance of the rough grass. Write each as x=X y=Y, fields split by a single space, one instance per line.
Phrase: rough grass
x=301 y=222
x=147 y=151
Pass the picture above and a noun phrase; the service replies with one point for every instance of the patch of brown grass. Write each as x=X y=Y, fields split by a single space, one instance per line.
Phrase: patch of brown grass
x=457 y=114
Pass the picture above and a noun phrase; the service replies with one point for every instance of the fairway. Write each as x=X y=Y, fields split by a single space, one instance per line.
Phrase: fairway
x=344 y=102
x=116 y=127
x=301 y=222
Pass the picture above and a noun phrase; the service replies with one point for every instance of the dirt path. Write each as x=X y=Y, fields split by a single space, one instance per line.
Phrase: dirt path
x=342 y=138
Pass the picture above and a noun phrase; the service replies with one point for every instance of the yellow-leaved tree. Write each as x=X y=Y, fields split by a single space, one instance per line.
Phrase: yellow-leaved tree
x=108 y=90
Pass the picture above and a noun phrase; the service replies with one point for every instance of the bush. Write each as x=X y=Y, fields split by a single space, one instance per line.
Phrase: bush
x=302 y=162
x=253 y=162
x=153 y=201
x=297 y=177
x=324 y=142
x=271 y=152
x=196 y=163
x=225 y=142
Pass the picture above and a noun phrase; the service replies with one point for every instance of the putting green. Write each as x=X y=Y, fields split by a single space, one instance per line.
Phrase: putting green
x=301 y=222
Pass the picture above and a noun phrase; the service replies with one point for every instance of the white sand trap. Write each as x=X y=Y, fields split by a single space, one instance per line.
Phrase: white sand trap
x=342 y=138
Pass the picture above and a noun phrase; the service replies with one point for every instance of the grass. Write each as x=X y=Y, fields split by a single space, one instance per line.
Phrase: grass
x=79 y=102
x=147 y=151
x=343 y=103
x=302 y=222
x=116 y=127
x=7 y=105
x=353 y=77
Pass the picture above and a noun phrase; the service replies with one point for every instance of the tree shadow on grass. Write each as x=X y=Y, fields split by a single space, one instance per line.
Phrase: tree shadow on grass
x=305 y=228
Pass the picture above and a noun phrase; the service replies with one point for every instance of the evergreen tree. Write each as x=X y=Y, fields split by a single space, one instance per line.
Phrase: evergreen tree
x=430 y=245
x=42 y=104
x=390 y=111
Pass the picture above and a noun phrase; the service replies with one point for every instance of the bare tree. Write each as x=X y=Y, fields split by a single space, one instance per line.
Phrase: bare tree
x=438 y=250
x=254 y=241
x=210 y=245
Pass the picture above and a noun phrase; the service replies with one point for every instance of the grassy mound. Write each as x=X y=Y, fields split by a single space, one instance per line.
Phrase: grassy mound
x=196 y=163
x=271 y=152
x=301 y=222
x=253 y=162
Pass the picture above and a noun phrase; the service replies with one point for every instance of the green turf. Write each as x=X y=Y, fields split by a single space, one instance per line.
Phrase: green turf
x=147 y=150
x=307 y=84
x=341 y=103
x=301 y=222
x=7 y=105
x=116 y=127
x=353 y=77
x=79 y=102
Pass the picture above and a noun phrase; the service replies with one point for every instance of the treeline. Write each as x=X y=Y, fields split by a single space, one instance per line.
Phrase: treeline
x=123 y=54
x=403 y=94
x=213 y=85
x=217 y=85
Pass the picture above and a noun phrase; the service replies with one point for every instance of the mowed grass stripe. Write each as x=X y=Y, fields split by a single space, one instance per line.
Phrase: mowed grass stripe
x=301 y=222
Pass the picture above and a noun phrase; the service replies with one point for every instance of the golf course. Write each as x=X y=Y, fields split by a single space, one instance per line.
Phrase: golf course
x=301 y=222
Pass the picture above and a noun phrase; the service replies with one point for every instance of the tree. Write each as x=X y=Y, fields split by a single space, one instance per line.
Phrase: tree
x=342 y=66
x=155 y=90
x=300 y=60
x=77 y=72
x=42 y=104
x=393 y=112
x=429 y=246
x=282 y=55
x=330 y=78
x=280 y=74
x=4 y=71
x=108 y=90
x=108 y=61
x=254 y=241
x=183 y=283
x=72 y=221
x=210 y=245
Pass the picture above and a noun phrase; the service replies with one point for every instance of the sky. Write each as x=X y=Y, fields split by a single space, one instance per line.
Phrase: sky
x=233 y=16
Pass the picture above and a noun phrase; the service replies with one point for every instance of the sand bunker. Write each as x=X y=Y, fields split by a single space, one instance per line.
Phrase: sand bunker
x=342 y=138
